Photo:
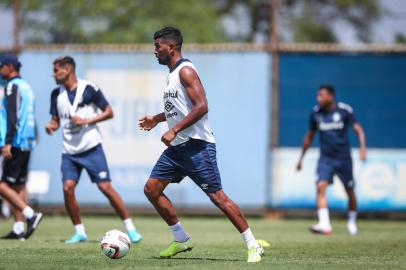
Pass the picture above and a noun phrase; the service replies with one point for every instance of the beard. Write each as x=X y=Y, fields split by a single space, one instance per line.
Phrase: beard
x=163 y=60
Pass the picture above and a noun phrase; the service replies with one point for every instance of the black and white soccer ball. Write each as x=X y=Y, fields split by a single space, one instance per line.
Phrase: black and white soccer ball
x=115 y=244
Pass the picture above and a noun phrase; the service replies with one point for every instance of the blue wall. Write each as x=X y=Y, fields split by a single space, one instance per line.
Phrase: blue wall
x=373 y=84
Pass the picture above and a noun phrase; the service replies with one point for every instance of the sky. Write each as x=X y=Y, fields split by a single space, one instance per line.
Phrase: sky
x=383 y=30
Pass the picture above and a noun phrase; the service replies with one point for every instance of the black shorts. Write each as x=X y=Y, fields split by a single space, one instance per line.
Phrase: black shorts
x=15 y=170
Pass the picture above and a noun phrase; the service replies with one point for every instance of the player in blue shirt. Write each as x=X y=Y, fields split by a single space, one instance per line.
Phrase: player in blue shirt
x=17 y=139
x=333 y=120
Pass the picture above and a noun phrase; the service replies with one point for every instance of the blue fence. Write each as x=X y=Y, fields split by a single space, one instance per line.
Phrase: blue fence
x=237 y=86
x=133 y=83
x=373 y=84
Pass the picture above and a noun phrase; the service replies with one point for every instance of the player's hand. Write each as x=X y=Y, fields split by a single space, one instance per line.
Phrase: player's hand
x=168 y=137
x=51 y=127
x=299 y=166
x=363 y=154
x=6 y=151
x=147 y=123
x=77 y=121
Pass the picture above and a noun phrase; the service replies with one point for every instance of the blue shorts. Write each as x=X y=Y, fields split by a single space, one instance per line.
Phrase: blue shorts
x=194 y=158
x=328 y=167
x=92 y=160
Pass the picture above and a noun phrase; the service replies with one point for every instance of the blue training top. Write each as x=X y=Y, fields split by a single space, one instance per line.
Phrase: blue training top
x=18 y=109
x=333 y=128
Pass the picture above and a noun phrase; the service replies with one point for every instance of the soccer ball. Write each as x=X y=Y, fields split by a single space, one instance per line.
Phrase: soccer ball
x=115 y=244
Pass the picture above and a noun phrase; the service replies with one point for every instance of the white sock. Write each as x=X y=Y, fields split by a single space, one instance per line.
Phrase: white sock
x=249 y=238
x=179 y=233
x=128 y=223
x=18 y=227
x=28 y=212
x=324 y=217
x=352 y=216
x=80 y=229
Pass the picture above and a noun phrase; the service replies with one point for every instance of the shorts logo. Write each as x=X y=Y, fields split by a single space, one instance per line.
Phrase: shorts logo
x=169 y=106
x=103 y=175
x=204 y=186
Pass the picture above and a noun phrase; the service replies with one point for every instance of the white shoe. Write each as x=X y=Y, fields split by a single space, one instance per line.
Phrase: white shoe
x=319 y=229
x=352 y=227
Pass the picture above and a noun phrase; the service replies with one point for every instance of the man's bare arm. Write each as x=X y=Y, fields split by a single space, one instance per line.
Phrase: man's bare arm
x=307 y=141
x=362 y=141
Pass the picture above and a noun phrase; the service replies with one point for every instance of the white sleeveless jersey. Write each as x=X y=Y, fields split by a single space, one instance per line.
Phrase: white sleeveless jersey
x=178 y=105
x=77 y=139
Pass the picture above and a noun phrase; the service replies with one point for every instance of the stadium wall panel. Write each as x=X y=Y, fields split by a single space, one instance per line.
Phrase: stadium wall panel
x=237 y=86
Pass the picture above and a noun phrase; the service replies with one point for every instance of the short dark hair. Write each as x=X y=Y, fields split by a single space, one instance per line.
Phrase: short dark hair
x=65 y=60
x=329 y=88
x=170 y=33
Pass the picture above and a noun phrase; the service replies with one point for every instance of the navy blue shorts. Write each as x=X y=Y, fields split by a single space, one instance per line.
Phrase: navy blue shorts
x=92 y=160
x=328 y=167
x=194 y=158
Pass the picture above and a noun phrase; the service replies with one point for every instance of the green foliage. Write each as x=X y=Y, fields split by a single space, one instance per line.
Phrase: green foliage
x=110 y=21
x=130 y=21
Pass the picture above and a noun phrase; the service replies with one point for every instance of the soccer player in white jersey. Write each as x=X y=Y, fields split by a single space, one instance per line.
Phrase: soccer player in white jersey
x=76 y=106
x=191 y=147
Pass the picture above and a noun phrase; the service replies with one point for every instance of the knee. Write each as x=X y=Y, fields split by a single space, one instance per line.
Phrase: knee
x=220 y=199
x=68 y=189
x=150 y=191
x=321 y=188
x=106 y=188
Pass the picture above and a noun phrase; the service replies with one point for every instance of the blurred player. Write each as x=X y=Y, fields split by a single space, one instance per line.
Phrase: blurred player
x=76 y=106
x=18 y=124
x=333 y=120
x=191 y=146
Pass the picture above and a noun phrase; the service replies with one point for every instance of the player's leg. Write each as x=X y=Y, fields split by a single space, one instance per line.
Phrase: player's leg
x=325 y=171
x=165 y=171
x=117 y=203
x=235 y=215
x=154 y=189
x=346 y=176
x=18 y=227
x=72 y=207
x=12 y=188
x=96 y=166
x=32 y=218
x=202 y=168
x=71 y=171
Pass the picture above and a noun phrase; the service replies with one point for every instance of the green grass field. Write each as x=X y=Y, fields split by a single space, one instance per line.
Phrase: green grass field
x=380 y=245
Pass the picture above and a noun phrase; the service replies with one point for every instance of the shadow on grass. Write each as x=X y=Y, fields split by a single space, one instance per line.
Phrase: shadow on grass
x=195 y=259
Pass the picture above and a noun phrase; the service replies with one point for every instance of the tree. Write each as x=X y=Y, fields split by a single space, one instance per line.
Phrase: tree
x=110 y=21
x=309 y=20
x=129 y=21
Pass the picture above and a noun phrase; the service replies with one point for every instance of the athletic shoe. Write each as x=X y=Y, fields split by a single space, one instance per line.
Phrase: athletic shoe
x=13 y=235
x=76 y=238
x=175 y=248
x=318 y=229
x=134 y=236
x=352 y=228
x=32 y=224
x=255 y=254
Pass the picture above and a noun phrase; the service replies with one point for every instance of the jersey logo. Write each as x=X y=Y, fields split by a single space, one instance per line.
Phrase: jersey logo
x=336 y=117
x=169 y=106
x=9 y=89
x=171 y=94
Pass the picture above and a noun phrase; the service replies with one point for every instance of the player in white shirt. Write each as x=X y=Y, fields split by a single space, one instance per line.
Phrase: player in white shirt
x=76 y=106
x=191 y=147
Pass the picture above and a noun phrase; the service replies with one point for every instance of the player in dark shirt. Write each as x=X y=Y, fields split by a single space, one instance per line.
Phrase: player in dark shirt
x=332 y=120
